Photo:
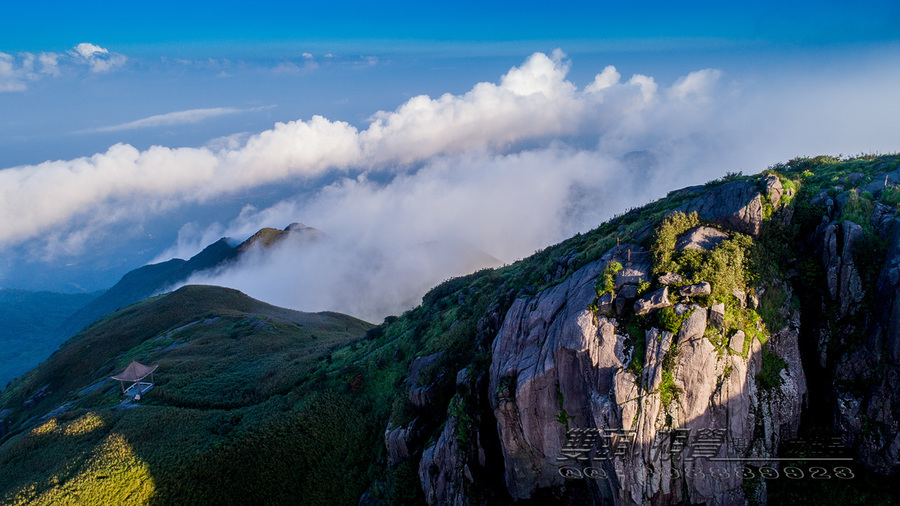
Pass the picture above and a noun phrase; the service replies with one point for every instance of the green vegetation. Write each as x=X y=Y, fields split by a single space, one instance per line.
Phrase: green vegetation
x=30 y=324
x=769 y=376
x=667 y=388
x=140 y=283
x=637 y=344
x=666 y=235
x=228 y=402
x=606 y=281
x=790 y=191
x=858 y=209
x=726 y=267
x=891 y=197
x=669 y=320
x=729 y=176
x=770 y=304
x=562 y=417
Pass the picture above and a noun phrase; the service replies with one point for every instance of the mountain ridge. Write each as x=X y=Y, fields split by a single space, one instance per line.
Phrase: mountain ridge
x=148 y=280
x=777 y=333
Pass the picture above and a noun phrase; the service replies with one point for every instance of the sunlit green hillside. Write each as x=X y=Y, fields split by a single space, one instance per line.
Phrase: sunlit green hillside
x=225 y=407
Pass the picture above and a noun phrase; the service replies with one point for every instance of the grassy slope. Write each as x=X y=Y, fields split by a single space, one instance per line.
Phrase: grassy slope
x=142 y=282
x=28 y=327
x=226 y=405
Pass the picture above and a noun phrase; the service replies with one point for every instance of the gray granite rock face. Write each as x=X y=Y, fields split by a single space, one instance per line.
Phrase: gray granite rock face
x=550 y=347
x=717 y=315
x=702 y=238
x=670 y=278
x=421 y=395
x=695 y=290
x=841 y=273
x=553 y=357
x=652 y=301
x=736 y=205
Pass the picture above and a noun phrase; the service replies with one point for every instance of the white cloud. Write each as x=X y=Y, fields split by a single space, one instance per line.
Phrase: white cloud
x=178 y=118
x=387 y=243
x=604 y=80
x=696 y=85
x=191 y=240
x=533 y=100
x=49 y=63
x=11 y=77
x=98 y=59
x=17 y=71
x=308 y=63
x=286 y=67
x=490 y=167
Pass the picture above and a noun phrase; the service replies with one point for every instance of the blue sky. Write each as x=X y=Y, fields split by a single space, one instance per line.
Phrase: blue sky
x=190 y=27
x=172 y=124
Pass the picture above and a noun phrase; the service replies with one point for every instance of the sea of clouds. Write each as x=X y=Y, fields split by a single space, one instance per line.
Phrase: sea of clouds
x=442 y=186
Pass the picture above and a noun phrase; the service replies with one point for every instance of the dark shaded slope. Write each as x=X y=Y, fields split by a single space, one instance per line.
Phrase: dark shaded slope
x=96 y=352
x=29 y=327
x=145 y=281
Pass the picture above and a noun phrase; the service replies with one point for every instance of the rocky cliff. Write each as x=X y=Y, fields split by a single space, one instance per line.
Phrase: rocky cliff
x=669 y=370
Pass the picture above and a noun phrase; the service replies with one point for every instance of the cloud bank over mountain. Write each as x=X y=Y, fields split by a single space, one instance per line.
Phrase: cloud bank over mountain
x=533 y=101
x=504 y=168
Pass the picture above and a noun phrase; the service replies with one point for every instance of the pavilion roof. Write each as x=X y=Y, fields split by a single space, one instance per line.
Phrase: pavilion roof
x=135 y=372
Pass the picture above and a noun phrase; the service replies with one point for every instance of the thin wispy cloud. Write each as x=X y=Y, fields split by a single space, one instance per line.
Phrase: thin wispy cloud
x=16 y=71
x=178 y=118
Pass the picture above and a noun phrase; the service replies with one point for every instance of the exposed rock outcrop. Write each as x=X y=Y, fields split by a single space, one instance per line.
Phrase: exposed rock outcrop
x=717 y=315
x=397 y=441
x=422 y=395
x=702 y=238
x=652 y=301
x=550 y=355
x=636 y=271
x=695 y=290
x=737 y=205
x=841 y=273
x=671 y=278
x=556 y=366
x=871 y=415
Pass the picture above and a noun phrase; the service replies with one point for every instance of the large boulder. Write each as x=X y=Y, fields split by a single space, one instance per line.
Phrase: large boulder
x=635 y=273
x=695 y=290
x=736 y=205
x=652 y=301
x=702 y=237
x=717 y=315
x=605 y=303
x=628 y=292
x=421 y=395
x=671 y=278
